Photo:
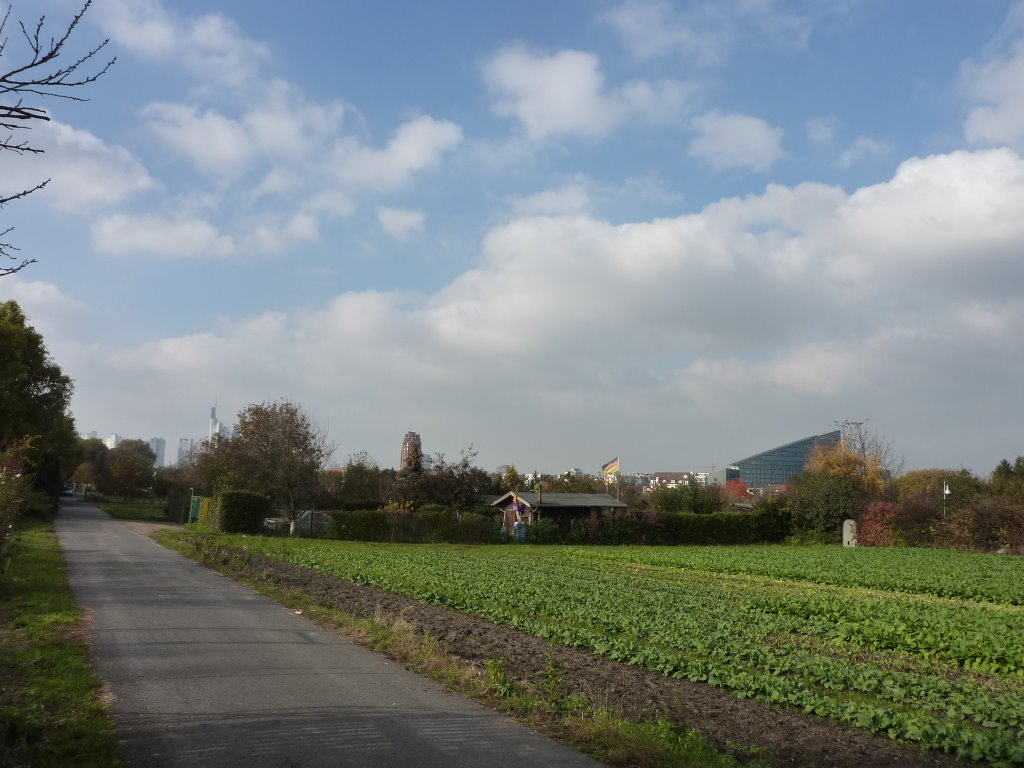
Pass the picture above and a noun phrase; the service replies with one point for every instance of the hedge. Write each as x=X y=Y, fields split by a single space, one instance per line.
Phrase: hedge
x=235 y=511
x=762 y=526
x=768 y=524
x=415 y=527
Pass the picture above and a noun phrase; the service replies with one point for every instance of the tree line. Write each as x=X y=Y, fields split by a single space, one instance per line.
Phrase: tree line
x=37 y=431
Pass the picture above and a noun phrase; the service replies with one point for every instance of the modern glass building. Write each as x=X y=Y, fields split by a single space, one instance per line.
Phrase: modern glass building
x=779 y=465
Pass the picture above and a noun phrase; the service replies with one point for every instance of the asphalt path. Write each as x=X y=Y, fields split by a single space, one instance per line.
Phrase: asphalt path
x=202 y=671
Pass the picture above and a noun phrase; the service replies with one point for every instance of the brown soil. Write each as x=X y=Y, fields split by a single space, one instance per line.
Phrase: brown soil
x=788 y=737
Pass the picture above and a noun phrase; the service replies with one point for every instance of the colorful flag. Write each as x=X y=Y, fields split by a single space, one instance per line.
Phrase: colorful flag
x=611 y=467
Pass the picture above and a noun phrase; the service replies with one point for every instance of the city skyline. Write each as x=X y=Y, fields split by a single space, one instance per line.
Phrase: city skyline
x=676 y=232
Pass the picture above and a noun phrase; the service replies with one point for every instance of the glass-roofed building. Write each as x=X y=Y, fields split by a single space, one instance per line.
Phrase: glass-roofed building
x=776 y=466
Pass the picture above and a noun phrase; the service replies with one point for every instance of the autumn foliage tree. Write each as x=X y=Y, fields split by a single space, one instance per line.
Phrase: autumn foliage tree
x=129 y=469
x=280 y=452
x=838 y=482
x=736 y=491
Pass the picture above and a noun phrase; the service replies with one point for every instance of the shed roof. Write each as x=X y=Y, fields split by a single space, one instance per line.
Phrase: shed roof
x=534 y=500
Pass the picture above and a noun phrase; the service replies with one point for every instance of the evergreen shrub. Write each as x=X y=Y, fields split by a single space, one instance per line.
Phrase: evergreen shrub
x=242 y=511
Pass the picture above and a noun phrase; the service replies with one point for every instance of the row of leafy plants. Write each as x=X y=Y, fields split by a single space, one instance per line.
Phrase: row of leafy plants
x=947 y=674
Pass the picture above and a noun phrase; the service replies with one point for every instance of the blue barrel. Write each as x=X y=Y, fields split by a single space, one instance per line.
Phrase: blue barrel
x=520 y=531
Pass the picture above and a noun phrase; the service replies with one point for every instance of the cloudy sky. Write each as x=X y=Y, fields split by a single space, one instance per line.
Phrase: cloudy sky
x=555 y=230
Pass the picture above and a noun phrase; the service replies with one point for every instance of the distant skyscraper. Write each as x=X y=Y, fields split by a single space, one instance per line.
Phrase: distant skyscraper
x=218 y=428
x=113 y=441
x=412 y=451
x=159 y=445
x=185 y=446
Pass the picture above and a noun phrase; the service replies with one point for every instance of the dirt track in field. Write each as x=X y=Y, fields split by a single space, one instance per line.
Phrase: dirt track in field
x=789 y=737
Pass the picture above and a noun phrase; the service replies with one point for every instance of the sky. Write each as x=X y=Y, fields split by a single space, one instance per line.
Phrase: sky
x=556 y=232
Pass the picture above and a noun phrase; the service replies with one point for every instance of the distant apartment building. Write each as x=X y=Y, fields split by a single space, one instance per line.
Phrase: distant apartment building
x=671 y=479
x=112 y=441
x=412 y=451
x=185 y=446
x=158 y=446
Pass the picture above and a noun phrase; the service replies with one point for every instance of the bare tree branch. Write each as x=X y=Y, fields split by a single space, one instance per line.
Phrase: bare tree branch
x=40 y=76
x=5 y=251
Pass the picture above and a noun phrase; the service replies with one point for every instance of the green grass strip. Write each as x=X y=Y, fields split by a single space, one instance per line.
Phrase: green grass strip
x=141 y=511
x=51 y=713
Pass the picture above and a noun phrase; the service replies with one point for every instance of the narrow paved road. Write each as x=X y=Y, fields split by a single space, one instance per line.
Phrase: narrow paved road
x=205 y=672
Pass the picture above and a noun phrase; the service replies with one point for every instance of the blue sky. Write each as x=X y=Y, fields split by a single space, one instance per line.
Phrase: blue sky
x=677 y=232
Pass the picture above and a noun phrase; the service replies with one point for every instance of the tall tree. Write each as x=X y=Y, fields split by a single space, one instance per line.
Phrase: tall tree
x=130 y=468
x=280 y=452
x=35 y=402
x=212 y=466
x=139 y=448
x=457 y=485
x=45 y=71
x=511 y=480
x=1003 y=471
x=364 y=482
x=875 y=451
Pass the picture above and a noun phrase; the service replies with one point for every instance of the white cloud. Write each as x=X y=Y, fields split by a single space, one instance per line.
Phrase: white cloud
x=727 y=140
x=281 y=165
x=49 y=310
x=284 y=130
x=864 y=147
x=417 y=145
x=211 y=47
x=707 y=31
x=188 y=235
x=994 y=85
x=564 y=94
x=789 y=308
x=161 y=236
x=400 y=223
x=947 y=218
x=569 y=199
x=822 y=130
x=651 y=29
x=302 y=227
x=650 y=187
x=213 y=143
x=84 y=172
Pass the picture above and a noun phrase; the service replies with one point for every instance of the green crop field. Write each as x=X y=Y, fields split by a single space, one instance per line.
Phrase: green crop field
x=925 y=646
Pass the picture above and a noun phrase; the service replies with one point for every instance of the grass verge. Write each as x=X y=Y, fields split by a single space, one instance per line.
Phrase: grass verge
x=137 y=510
x=50 y=708
x=573 y=720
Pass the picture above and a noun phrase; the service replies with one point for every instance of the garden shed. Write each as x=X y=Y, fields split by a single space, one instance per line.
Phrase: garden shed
x=562 y=508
